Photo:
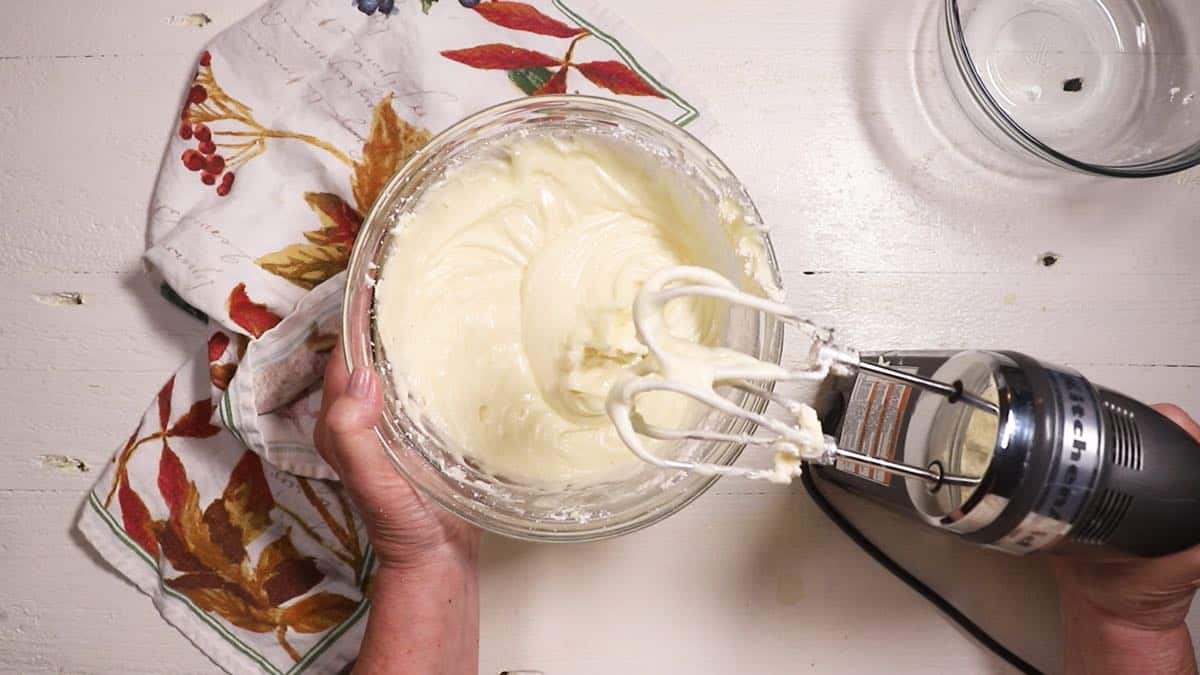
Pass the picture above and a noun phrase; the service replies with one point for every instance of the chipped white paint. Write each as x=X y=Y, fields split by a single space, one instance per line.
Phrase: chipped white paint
x=61 y=298
x=196 y=20
x=908 y=241
x=63 y=463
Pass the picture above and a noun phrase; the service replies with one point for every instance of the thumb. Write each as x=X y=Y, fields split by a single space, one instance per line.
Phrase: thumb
x=1178 y=416
x=349 y=429
x=354 y=411
x=346 y=435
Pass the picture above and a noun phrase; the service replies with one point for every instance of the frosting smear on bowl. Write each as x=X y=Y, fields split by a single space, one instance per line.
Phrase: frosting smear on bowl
x=504 y=305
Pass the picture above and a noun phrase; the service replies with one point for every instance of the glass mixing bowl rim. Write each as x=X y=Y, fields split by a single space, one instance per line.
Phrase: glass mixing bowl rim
x=1180 y=160
x=358 y=353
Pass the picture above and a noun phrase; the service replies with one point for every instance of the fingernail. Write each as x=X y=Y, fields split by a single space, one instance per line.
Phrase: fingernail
x=360 y=383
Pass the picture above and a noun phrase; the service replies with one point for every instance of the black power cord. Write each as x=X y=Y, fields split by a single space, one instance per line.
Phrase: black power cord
x=909 y=580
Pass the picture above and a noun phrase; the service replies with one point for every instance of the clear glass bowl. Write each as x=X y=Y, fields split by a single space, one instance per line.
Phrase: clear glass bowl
x=1105 y=87
x=573 y=514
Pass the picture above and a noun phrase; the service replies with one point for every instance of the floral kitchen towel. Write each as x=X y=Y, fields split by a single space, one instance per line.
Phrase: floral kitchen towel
x=217 y=505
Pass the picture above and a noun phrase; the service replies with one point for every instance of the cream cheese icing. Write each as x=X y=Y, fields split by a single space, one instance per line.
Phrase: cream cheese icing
x=504 y=304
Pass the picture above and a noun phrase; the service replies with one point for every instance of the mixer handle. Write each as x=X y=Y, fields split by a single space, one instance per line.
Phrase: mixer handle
x=1149 y=499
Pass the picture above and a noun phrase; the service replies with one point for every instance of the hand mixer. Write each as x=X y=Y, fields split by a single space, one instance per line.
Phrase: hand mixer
x=995 y=446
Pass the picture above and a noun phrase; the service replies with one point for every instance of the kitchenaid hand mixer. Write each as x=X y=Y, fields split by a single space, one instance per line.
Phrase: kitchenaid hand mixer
x=994 y=446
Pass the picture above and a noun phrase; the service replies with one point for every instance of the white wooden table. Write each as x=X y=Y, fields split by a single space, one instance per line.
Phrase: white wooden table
x=908 y=242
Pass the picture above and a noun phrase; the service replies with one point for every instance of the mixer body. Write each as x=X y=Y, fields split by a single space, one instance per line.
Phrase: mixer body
x=1065 y=466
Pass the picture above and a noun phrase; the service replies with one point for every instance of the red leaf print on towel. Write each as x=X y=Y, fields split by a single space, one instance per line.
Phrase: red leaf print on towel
x=617 y=78
x=500 y=57
x=520 y=16
x=217 y=344
x=557 y=84
x=248 y=498
x=164 y=403
x=523 y=64
x=172 y=481
x=136 y=518
x=250 y=315
x=208 y=550
x=196 y=422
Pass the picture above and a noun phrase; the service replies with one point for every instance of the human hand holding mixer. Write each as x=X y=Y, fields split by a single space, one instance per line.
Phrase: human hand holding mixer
x=1127 y=614
x=997 y=447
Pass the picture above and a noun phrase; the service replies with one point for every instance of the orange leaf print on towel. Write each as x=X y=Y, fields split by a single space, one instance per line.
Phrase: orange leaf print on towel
x=328 y=250
x=390 y=143
x=306 y=265
x=219 y=373
x=318 y=612
x=339 y=221
x=207 y=548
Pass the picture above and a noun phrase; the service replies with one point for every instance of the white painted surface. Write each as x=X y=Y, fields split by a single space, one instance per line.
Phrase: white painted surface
x=912 y=243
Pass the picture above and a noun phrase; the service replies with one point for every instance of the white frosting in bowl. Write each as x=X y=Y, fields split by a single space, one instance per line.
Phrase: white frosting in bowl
x=504 y=305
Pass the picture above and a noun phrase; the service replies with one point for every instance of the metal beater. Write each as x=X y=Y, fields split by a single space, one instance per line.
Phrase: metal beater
x=997 y=447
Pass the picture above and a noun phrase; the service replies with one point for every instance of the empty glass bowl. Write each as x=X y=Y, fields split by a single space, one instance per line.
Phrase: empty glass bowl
x=415 y=446
x=1107 y=87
